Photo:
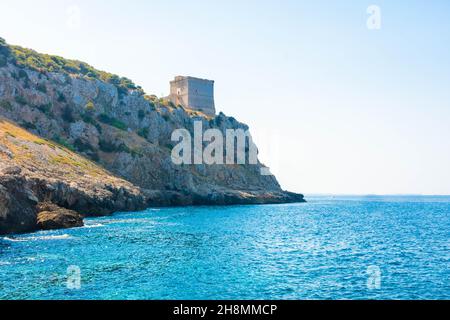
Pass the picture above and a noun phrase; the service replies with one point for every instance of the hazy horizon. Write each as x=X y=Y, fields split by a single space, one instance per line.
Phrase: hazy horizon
x=373 y=195
x=335 y=108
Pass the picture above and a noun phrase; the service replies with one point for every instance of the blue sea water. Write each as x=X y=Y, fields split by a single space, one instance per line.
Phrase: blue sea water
x=328 y=248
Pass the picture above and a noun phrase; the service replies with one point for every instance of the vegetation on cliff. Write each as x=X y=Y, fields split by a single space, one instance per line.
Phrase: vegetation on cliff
x=43 y=170
x=91 y=142
x=28 y=58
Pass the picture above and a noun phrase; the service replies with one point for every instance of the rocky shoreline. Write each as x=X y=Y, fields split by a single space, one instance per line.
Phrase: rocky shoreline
x=76 y=141
x=28 y=205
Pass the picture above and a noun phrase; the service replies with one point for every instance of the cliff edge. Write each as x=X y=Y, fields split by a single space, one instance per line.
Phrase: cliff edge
x=91 y=143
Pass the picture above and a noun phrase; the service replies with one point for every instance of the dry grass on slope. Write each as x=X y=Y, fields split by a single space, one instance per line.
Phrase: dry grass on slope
x=43 y=157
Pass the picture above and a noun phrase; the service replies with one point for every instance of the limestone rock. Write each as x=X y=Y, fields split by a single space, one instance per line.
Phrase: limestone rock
x=95 y=147
x=51 y=217
x=17 y=203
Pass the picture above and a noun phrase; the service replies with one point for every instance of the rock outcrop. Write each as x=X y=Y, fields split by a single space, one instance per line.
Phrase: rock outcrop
x=51 y=217
x=92 y=142
x=34 y=170
x=17 y=202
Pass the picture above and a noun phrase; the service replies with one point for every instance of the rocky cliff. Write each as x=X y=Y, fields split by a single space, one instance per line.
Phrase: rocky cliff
x=92 y=142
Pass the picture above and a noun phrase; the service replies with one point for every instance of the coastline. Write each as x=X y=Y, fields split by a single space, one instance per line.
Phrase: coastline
x=76 y=141
x=31 y=204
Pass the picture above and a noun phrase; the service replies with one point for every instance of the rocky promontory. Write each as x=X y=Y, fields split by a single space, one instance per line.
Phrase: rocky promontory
x=75 y=141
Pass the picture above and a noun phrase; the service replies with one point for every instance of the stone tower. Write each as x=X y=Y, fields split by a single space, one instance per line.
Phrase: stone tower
x=193 y=93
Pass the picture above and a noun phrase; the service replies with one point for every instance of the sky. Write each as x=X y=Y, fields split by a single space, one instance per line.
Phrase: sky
x=336 y=104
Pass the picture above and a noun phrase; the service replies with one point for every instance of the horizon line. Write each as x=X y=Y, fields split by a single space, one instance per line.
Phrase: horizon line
x=376 y=195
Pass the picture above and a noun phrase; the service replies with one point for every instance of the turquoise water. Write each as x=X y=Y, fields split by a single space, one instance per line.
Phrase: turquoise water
x=318 y=250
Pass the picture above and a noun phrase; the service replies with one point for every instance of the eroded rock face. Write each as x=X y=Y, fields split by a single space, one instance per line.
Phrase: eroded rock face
x=86 y=146
x=21 y=209
x=17 y=202
x=34 y=170
x=52 y=217
x=135 y=140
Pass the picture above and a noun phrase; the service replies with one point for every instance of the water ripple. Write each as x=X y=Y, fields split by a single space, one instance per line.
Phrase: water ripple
x=324 y=249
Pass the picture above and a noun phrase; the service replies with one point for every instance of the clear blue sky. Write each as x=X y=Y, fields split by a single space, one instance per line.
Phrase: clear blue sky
x=335 y=107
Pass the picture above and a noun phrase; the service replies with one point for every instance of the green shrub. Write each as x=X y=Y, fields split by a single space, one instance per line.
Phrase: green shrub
x=3 y=61
x=23 y=74
x=169 y=145
x=61 y=97
x=6 y=105
x=135 y=152
x=67 y=79
x=42 y=88
x=219 y=121
x=107 y=146
x=143 y=132
x=86 y=117
x=5 y=52
x=67 y=114
x=141 y=114
x=82 y=146
x=28 y=125
x=64 y=143
x=110 y=147
x=94 y=156
x=91 y=75
x=20 y=100
x=112 y=122
x=26 y=83
x=45 y=108
x=122 y=92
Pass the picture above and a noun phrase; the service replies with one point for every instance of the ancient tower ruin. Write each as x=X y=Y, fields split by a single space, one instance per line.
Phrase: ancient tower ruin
x=193 y=93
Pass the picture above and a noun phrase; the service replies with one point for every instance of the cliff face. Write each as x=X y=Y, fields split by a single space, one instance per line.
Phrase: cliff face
x=94 y=143
x=34 y=170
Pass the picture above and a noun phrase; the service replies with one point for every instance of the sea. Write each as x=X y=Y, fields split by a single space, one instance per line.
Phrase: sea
x=332 y=247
